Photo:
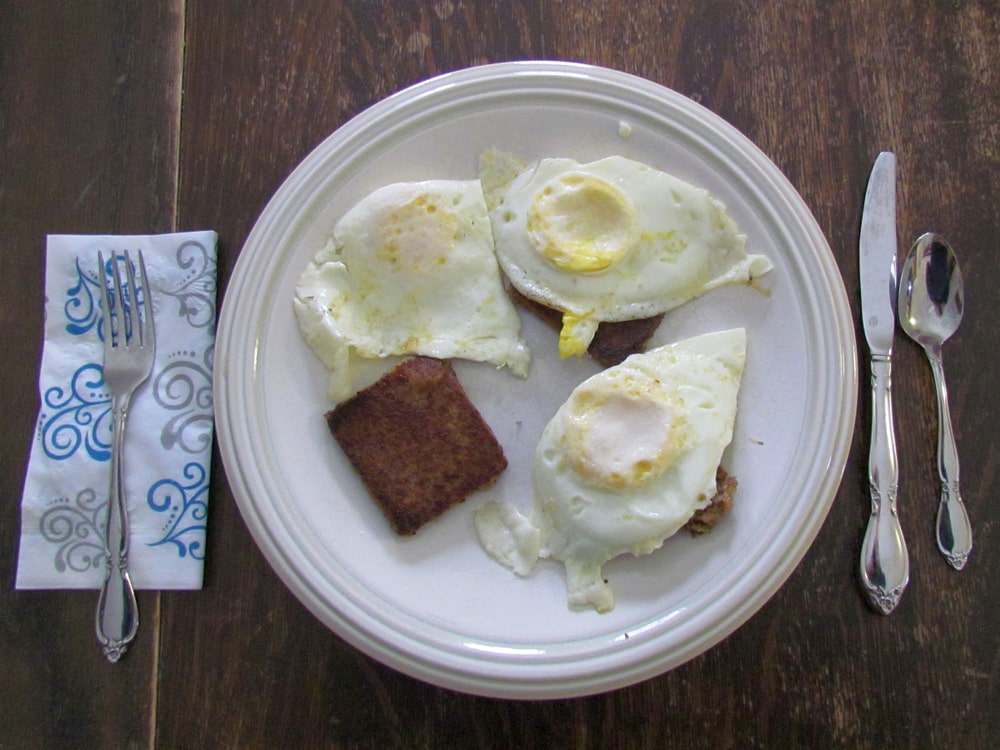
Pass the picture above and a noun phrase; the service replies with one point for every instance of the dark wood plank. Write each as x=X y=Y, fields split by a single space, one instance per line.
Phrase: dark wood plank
x=821 y=87
x=89 y=99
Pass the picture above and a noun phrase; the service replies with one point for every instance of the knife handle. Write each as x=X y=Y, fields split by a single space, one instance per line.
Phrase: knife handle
x=885 y=563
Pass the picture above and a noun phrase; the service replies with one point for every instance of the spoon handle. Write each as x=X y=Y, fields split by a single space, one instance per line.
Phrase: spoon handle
x=954 y=531
x=885 y=562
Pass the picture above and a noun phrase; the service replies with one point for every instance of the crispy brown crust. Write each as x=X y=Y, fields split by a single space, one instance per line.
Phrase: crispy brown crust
x=417 y=442
x=615 y=341
x=706 y=519
x=612 y=343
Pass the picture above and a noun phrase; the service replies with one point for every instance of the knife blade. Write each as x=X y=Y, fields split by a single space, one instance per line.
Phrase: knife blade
x=884 y=564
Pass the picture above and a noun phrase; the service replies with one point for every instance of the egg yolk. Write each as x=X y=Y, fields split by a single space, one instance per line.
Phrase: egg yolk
x=416 y=235
x=624 y=436
x=576 y=334
x=581 y=223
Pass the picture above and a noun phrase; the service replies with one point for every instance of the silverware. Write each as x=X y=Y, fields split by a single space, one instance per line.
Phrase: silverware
x=129 y=347
x=930 y=309
x=885 y=563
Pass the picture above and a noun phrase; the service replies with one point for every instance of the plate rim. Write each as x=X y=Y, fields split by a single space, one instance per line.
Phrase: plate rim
x=521 y=682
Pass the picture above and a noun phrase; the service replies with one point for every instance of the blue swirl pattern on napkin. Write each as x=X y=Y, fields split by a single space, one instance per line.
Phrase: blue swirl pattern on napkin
x=169 y=441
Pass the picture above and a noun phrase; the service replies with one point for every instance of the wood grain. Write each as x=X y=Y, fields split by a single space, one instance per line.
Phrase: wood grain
x=125 y=117
x=89 y=117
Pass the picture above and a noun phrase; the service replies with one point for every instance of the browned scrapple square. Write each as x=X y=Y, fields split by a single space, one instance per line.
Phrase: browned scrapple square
x=418 y=443
x=706 y=519
x=613 y=342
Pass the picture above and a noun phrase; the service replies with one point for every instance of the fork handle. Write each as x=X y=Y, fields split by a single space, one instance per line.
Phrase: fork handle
x=117 y=618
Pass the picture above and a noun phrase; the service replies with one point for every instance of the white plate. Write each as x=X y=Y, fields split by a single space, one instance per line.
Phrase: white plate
x=435 y=606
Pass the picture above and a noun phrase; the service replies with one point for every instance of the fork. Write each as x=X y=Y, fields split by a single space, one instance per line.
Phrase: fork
x=129 y=347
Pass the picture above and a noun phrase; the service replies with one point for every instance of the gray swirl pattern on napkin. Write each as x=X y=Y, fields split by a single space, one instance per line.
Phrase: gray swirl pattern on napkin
x=74 y=424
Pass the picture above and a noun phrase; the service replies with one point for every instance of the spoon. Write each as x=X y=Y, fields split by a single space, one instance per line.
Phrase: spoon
x=930 y=309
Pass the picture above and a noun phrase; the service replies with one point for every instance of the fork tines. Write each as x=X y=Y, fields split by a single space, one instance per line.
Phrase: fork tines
x=134 y=317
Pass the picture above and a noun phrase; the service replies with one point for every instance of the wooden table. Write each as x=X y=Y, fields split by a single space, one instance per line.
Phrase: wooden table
x=138 y=117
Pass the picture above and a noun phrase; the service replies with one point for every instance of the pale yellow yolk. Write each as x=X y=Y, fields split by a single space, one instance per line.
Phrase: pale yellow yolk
x=576 y=335
x=416 y=235
x=582 y=223
x=622 y=437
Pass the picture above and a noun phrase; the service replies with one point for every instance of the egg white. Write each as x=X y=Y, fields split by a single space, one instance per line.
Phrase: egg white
x=611 y=240
x=624 y=463
x=410 y=269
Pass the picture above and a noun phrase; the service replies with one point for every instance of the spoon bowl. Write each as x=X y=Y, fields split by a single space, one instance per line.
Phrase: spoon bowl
x=930 y=305
x=931 y=299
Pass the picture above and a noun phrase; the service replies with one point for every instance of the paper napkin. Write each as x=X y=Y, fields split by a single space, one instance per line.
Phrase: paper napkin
x=169 y=438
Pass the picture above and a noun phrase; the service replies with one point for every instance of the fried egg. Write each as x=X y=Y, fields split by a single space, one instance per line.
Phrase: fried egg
x=610 y=240
x=624 y=463
x=410 y=269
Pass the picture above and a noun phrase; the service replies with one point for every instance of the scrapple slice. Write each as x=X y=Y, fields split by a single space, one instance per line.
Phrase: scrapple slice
x=707 y=518
x=612 y=343
x=417 y=442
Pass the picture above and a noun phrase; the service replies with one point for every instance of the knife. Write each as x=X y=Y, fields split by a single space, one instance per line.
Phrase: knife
x=885 y=563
